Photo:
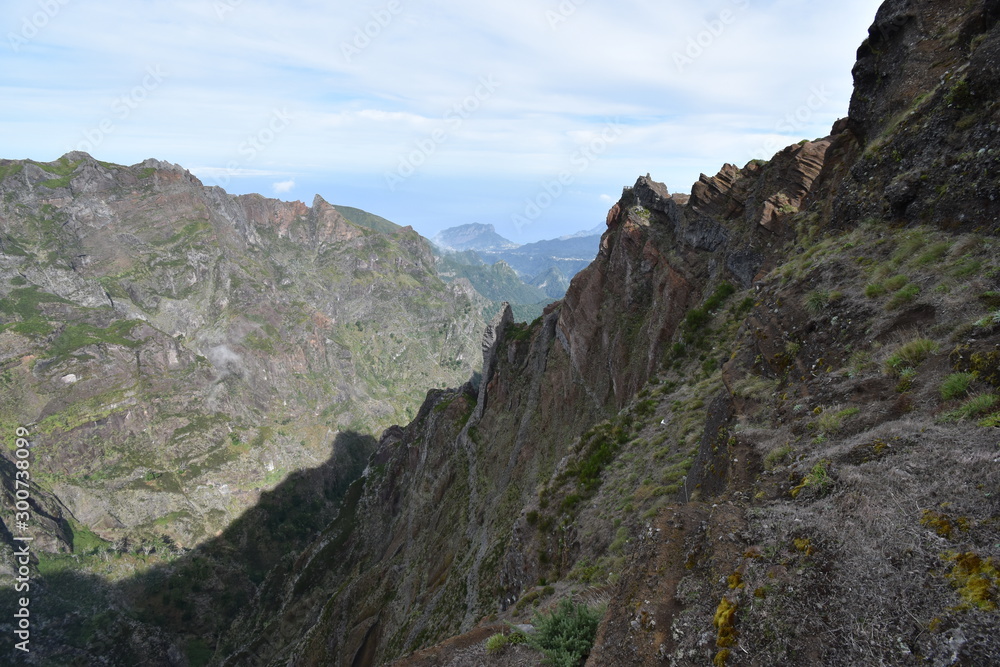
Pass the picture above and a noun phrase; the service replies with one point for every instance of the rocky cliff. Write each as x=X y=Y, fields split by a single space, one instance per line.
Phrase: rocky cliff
x=758 y=427
x=461 y=513
x=758 y=430
x=175 y=350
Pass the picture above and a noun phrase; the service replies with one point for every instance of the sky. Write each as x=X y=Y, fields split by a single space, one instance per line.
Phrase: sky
x=530 y=115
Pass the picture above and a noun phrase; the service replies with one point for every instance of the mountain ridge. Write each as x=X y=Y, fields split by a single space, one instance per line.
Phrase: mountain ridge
x=758 y=426
x=473 y=236
x=724 y=348
x=131 y=287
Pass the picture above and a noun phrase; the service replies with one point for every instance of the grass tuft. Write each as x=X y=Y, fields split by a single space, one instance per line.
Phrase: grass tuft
x=910 y=355
x=976 y=406
x=874 y=290
x=903 y=296
x=956 y=385
x=497 y=643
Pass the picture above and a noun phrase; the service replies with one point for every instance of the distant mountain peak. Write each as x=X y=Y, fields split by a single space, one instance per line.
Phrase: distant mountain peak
x=474 y=236
x=595 y=231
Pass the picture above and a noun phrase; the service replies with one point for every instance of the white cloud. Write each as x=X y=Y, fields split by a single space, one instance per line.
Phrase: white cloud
x=282 y=187
x=225 y=77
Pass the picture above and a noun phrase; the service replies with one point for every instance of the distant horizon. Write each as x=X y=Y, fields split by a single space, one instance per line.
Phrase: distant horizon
x=528 y=116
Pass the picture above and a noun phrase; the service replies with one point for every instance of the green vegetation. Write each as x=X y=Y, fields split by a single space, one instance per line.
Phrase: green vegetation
x=874 y=290
x=63 y=168
x=85 y=541
x=35 y=327
x=944 y=525
x=902 y=297
x=976 y=406
x=956 y=385
x=497 y=643
x=696 y=319
x=10 y=169
x=726 y=634
x=598 y=448
x=990 y=320
x=189 y=232
x=24 y=302
x=896 y=283
x=831 y=421
x=777 y=456
x=369 y=220
x=55 y=183
x=965 y=267
x=75 y=336
x=906 y=378
x=910 y=355
x=933 y=254
x=522 y=332
x=817 y=300
x=566 y=635
x=818 y=480
x=976 y=579
x=754 y=387
x=199 y=653
x=960 y=96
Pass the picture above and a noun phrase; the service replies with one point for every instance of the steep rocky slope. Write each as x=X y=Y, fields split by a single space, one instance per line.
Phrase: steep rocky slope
x=174 y=350
x=758 y=427
x=758 y=430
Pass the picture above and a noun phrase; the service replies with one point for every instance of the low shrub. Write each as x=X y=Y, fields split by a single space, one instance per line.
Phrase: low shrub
x=497 y=643
x=565 y=635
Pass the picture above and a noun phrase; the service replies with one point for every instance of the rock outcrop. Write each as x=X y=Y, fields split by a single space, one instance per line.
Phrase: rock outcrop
x=175 y=350
x=758 y=426
x=924 y=119
x=648 y=343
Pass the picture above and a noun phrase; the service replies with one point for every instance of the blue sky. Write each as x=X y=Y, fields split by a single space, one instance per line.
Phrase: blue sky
x=527 y=114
